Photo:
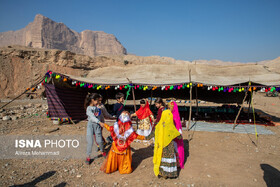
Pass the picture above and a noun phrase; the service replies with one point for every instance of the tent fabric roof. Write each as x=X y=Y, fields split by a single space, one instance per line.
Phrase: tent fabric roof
x=156 y=74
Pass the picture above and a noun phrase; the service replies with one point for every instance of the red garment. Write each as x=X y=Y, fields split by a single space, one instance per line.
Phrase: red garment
x=144 y=112
x=160 y=110
x=122 y=128
x=119 y=157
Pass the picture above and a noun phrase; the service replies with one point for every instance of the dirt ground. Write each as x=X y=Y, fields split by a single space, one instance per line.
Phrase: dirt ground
x=213 y=158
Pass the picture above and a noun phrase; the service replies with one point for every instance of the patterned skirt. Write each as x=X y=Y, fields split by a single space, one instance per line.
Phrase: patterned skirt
x=145 y=127
x=169 y=162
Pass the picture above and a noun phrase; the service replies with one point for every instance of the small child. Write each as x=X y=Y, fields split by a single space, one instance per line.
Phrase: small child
x=119 y=156
x=118 y=107
x=93 y=126
x=146 y=118
x=104 y=114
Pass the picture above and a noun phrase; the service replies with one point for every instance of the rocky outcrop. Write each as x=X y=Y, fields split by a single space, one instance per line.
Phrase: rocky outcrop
x=46 y=33
x=20 y=67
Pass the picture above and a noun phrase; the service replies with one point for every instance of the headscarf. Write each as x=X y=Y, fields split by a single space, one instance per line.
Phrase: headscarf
x=123 y=133
x=144 y=112
x=165 y=132
x=180 y=143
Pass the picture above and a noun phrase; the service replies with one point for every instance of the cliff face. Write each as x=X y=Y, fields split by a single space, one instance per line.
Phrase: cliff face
x=46 y=33
x=20 y=67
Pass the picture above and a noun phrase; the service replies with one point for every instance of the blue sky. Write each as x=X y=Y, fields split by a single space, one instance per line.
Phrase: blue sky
x=228 y=30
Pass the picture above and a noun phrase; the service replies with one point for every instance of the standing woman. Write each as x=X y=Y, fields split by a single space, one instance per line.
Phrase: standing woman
x=161 y=106
x=165 y=162
x=179 y=143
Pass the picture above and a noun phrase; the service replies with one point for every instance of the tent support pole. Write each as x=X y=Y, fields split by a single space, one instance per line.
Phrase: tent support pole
x=72 y=121
x=249 y=107
x=134 y=106
x=196 y=101
x=239 y=110
x=133 y=99
x=107 y=100
x=38 y=82
x=134 y=103
x=151 y=97
x=190 y=113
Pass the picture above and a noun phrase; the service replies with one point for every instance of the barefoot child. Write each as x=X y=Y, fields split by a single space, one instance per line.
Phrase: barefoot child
x=119 y=156
x=146 y=118
x=93 y=126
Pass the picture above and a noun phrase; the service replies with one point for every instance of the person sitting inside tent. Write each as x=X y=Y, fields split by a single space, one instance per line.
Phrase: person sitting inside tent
x=165 y=133
x=179 y=143
x=119 y=156
x=146 y=118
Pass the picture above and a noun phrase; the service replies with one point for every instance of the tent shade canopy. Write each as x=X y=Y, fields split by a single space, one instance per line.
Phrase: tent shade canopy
x=177 y=74
x=219 y=84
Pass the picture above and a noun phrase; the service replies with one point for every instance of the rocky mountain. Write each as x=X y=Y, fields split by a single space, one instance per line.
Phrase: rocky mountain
x=20 y=66
x=48 y=34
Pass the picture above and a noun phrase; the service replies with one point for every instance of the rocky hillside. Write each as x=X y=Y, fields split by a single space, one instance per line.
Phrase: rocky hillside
x=21 y=66
x=272 y=65
x=46 y=33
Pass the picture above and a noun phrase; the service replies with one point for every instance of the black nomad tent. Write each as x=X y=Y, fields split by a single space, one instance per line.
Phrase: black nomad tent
x=219 y=84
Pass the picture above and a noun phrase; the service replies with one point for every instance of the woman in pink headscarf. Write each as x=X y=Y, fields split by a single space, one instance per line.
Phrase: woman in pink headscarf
x=177 y=121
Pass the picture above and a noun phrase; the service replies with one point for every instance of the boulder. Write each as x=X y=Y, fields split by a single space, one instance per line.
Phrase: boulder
x=6 y=118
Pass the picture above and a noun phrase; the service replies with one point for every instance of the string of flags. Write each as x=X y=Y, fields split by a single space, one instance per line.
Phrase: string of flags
x=58 y=119
x=76 y=83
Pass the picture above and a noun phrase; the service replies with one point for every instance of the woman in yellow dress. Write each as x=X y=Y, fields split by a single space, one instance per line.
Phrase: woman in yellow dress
x=165 y=161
